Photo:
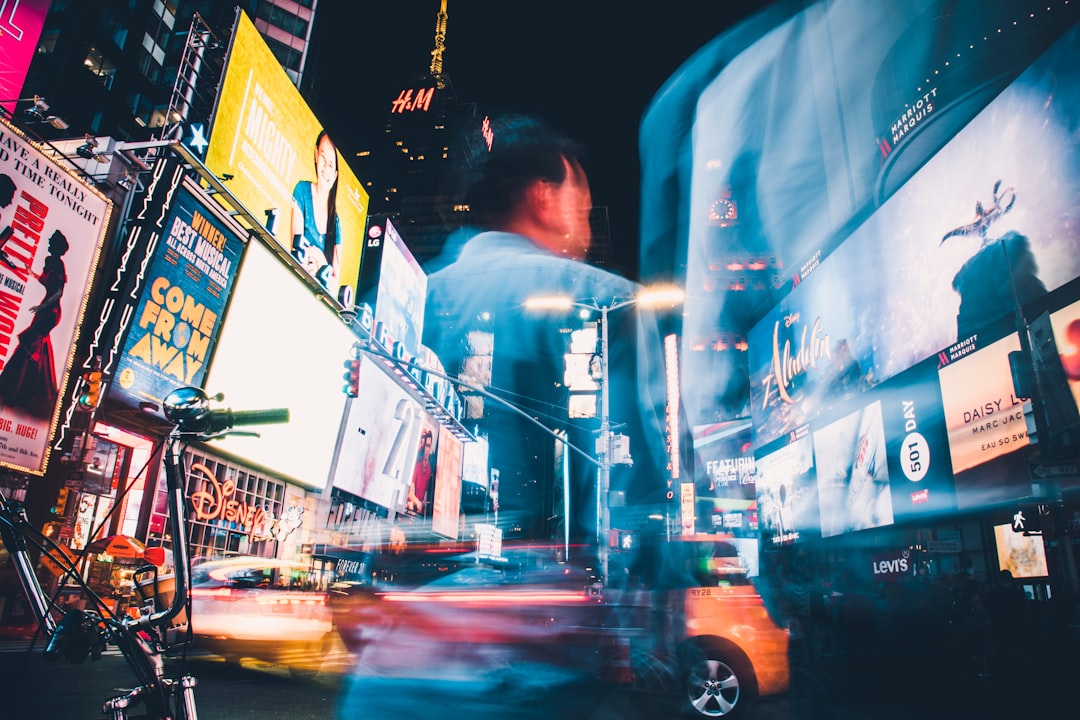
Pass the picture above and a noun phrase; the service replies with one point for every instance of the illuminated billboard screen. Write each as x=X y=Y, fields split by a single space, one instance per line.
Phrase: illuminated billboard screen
x=1055 y=341
x=853 y=473
x=447 y=504
x=184 y=293
x=379 y=436
x=984 y=417
x=52 y=226
x=786 y=489
x=475 y=463
x=394 y=285
x=1022 y=555
x=418 y=499
x=988 y=221
x=1066 y=328
x=917 y=446
x=280 y=346
x=20 y=28
x=270 y=146
x=725 y=477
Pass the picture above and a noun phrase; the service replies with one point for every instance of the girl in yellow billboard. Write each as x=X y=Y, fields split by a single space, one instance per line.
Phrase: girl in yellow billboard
x=316 y=231
x=29 y=377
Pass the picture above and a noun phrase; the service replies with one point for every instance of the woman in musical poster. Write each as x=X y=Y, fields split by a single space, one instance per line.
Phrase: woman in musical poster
x=316 y=230
x=28 y=380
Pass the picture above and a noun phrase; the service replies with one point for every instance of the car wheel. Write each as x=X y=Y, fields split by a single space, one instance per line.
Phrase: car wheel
x=715 y=683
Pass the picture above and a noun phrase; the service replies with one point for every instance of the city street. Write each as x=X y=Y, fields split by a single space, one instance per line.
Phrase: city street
x=34 y=688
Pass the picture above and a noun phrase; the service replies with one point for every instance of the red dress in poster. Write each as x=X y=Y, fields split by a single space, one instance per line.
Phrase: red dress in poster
x=28 y=380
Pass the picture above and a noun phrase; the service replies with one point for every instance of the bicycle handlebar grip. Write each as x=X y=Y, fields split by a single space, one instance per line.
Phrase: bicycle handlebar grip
x=273 y=416
x=227 y=419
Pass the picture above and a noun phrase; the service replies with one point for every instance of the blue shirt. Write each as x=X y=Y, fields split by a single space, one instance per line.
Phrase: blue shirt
x=312 y=240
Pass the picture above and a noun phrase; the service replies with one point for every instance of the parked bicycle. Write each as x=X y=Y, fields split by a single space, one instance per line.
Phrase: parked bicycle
x=146 y=635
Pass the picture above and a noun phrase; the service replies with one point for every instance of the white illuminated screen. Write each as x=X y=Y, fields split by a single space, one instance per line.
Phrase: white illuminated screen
x=281 y=347
x=1022 y=555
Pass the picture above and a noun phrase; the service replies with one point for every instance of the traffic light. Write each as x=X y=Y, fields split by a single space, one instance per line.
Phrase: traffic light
x=92 y=393
x=61 y=503
x=352 y=377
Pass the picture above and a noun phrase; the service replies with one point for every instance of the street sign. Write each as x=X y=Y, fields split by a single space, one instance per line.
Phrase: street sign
x=1057 y=471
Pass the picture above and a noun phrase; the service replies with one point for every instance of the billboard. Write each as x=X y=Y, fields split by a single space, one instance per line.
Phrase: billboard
x=425 y=469
x=853 y=473
x=475 y=463
x=984 y=417
x=916 y=442
x=270 y=148
x=52 y=227
x=447 y=503
x=20 y=27
x=186 y=286
x=280 y=346
x=988 y=222
x=1022 y=555
x=1066 y=328
x=787 y=493
x=725 y=477
x=395 y=286
x=378 y=439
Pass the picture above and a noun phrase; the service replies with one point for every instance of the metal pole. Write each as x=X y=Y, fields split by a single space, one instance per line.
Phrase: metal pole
x=604 y=473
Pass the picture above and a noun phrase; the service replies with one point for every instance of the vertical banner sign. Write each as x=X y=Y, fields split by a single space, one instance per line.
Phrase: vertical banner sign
x=187 y=285
x=52 y=227
x=124 y=285
x=447 y=503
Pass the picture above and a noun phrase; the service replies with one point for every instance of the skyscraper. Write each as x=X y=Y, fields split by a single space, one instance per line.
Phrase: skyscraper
x=111 y=67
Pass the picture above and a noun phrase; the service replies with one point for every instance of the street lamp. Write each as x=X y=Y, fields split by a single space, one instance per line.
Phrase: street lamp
x=653 y=296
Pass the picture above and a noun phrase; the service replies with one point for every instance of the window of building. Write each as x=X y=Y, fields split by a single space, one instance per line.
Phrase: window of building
x=156 y=51
x=231 y=508
x=288 y=57
x=282 y=18
x=113 y=28
x=47 y=44
x=101 y=66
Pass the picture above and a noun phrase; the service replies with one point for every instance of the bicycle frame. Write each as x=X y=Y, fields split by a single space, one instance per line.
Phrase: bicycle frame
x=142 y=640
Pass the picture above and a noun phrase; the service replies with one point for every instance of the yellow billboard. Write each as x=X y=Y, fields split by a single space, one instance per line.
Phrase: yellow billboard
x=280 y=164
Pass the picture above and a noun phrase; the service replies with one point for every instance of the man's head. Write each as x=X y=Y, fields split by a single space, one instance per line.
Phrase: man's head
x=531 y=182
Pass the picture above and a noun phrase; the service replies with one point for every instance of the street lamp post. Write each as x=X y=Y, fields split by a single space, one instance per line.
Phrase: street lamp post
x=652 y=297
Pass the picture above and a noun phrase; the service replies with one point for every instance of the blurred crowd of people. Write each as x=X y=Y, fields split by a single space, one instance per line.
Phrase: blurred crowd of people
x=952 y=631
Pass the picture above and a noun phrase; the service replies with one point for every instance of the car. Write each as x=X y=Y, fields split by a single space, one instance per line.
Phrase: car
x=711 y=646
x=250 y=607
x=691 y=635
x=484 y=637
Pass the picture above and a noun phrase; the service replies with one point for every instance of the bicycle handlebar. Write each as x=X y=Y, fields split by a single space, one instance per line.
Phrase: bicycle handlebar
x=189 y=410
x=215 y=422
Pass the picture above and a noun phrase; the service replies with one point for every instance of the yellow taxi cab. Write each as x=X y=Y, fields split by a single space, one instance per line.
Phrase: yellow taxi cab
x=713 y=644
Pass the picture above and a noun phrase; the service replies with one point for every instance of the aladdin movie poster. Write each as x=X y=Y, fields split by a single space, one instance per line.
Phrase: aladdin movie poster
x=52 y=226
x=989 y=221
x=179 y=314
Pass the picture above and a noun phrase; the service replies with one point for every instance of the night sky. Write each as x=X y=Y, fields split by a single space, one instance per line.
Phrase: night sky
x=589 y=67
